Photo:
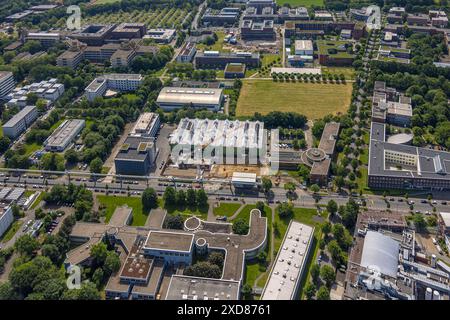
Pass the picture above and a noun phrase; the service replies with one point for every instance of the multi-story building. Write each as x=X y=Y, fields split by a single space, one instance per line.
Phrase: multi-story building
x=226 y=16
x=112 y=81
x=394 y=18
x=187 y=53
x=93 y=35
x=322 y=15
x=6 y=218
x=314 y=28
x=252 y=30
x=72 y=57
x=417 y=19
x=171 y=98
x=216 y=59
x=136 y=156
x=6 y=83
x=20 y=122
x=161 y=35
x=60 y=139
x=49 y=90
x=147 y=125
x=259 y=5
x=46 y=39
x=126 y=31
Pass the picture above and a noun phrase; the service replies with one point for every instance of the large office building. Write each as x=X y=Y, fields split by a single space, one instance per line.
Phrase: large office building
x=6 y=83
x=171 y=98
x=47 y=39
x=136 y=156
x=216 y=59
x=291 y=263
x=20 y=122
x=161 y=35
x=260 y=5
x=6 y=218
x=65 y=134
x=113 y=81
x=174 y=247
x=398 y=166
x=126 y=31
x=304 y=48
x=225 y=16
x=222 y=141
x=93 y=35
x=255 y=30
x=147 y=125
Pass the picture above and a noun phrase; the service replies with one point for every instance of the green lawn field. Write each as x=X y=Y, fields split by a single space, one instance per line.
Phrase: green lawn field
x=314 y=100
x=226 y=209
x=301 y=3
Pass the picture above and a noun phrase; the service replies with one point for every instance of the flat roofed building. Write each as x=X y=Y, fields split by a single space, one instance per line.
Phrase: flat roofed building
x=93 y=35
x=71 y=58
x=18 y=15
x=129 y=31
x=445 y=219
x=225 y=16
x=20 y=122
x=195 y=288
x=161 y=35
x=146 y=125
x=113 y=81
x=234 y=71
x=6 y=218
x=289 y=267
x=173 y=247
x=187 y=53
x=171 y=98
x=417 y=19
x=6 y=83
x=304 y=47
x=400 y=166
x=244 y=180
x=257 y=30
x=215 y=59
x=60 y=139
x=47 y=39
x=136 y=156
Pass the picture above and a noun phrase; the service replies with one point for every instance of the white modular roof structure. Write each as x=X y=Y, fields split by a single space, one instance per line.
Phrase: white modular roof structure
x=219 y=133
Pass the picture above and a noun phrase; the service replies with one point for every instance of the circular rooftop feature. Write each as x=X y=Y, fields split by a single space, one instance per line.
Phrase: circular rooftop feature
x=192 y=224
x=315 y=155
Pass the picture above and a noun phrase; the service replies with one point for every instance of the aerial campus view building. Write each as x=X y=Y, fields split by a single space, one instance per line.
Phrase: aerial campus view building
x=224 y=151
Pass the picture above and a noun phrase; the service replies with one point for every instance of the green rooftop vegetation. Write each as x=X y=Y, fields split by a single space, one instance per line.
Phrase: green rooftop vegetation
x=338 y=49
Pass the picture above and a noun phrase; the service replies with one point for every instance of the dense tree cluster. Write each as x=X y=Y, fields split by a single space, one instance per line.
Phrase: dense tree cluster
x=78 y=195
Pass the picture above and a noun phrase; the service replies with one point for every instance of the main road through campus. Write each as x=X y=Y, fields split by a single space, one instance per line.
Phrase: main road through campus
x=220 y=189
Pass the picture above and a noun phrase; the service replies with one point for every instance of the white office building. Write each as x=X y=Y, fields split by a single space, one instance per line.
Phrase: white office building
x=6 y=83
x=113 y=81
x=60 y=139
x=290 y=265
x=6 y=218
x=20 y=122
x=147 y=125
x=49 y=90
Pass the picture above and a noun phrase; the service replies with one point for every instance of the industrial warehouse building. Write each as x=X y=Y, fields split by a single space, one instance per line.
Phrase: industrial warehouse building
x=136 y=156
x=291 y=263
x=113 y=81
x=171 y=98
x=220 y=141
x=60 y=139
x=20 y=122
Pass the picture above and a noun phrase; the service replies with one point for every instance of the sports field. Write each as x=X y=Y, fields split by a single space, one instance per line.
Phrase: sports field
x=313 y=100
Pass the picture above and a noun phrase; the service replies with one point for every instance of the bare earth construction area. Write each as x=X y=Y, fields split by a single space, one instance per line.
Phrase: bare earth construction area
x=311 y=99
